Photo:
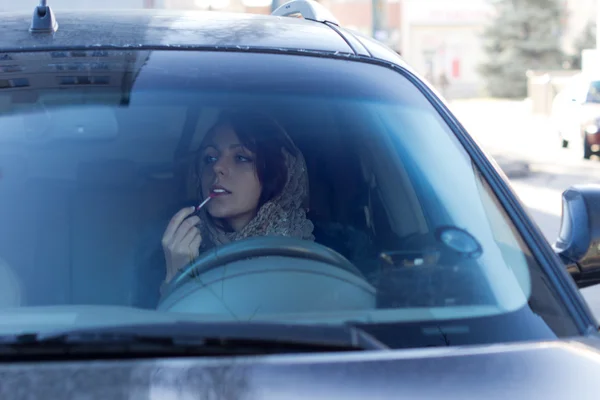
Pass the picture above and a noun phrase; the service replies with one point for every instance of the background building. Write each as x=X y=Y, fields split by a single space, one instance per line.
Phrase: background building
x=441 y=40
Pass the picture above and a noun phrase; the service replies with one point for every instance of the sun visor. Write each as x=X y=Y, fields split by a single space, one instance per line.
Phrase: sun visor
x=79 y=123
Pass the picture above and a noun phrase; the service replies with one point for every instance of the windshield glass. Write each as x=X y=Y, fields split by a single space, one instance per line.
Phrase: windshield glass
x=337 y=193
x=593 y=95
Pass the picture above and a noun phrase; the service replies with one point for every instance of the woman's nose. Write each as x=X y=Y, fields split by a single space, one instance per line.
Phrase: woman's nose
x=220 y=166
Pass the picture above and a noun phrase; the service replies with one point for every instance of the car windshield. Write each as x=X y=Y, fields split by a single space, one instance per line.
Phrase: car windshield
x=337 y=194
x=593 y=95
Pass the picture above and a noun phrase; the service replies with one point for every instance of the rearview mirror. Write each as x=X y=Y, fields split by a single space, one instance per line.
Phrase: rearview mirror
x=578 y=243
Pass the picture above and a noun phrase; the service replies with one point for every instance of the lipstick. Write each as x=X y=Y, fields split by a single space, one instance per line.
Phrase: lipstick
x=206 y=201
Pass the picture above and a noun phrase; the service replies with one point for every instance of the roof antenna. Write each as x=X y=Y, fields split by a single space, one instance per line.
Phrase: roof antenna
x=43 y=19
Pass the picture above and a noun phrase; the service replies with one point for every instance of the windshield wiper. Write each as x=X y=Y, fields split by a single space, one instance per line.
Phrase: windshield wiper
x=186 y=339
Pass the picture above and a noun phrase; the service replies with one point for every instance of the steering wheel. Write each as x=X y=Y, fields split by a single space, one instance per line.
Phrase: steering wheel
x=261 y=246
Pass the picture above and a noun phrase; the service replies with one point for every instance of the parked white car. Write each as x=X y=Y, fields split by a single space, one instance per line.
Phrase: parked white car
x=575 y=113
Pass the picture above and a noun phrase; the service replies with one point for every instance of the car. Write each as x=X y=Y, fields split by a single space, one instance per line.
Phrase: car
x=407 y=266
x=576 y=114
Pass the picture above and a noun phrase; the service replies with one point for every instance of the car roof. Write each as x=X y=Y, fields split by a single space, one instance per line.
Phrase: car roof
x=144 y=28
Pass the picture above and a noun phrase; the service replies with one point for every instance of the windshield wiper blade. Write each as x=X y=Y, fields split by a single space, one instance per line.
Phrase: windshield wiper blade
x=188 y=339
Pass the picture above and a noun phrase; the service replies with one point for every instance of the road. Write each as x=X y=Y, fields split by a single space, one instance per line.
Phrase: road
x=527 y=150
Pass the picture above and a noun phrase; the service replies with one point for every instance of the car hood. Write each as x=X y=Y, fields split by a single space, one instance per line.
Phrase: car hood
x=559 y=369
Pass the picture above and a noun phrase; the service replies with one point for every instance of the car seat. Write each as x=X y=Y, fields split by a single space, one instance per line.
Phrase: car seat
x=112 y=205
x=34 y=234
x=338 y=195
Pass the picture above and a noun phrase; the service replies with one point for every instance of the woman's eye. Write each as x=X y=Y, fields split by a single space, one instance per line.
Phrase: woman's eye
x=209 y=159
x=241 y=158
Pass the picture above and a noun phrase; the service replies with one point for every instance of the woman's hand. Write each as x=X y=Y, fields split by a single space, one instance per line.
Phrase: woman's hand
x=181 y=241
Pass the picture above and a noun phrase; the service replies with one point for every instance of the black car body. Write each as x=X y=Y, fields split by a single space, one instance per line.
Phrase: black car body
x=547 y=347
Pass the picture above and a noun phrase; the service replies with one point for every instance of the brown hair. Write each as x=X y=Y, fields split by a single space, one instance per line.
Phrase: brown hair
x=263 y=136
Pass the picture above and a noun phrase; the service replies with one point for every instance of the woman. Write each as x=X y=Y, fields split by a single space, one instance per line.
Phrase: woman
x=260 y=183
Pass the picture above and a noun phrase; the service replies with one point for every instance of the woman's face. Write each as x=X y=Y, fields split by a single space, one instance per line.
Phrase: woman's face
x=227 y=169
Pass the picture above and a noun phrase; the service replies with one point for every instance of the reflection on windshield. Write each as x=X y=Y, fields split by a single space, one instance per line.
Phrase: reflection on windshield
x=329 y=202
x=593 y=95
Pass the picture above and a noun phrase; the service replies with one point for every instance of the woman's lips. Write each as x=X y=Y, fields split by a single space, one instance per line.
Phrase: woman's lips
x=219 y=191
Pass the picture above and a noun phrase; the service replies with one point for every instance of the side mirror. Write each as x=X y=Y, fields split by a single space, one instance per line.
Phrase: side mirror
x=578 y=243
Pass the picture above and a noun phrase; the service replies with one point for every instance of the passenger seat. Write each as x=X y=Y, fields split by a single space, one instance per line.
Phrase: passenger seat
x=112 y=204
